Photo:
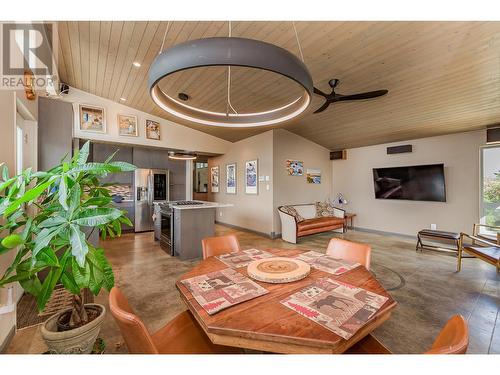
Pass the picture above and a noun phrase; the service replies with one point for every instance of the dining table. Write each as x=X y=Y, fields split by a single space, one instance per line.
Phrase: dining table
x=265 y=324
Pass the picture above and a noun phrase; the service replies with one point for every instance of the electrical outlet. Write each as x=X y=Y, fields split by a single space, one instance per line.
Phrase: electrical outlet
x=267 y=187
x=434 y=226
x=220 y=213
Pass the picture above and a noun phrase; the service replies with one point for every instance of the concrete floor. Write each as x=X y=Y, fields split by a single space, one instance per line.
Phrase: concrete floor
x=426 y=286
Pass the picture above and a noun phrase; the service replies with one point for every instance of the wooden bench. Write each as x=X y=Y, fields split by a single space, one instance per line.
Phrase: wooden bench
x=438 y=235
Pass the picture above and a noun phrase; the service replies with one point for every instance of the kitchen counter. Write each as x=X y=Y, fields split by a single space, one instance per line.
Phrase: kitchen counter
x=181 y=227
x=201 y=206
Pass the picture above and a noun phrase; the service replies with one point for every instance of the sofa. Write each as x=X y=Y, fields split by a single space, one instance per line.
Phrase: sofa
x=309 y=223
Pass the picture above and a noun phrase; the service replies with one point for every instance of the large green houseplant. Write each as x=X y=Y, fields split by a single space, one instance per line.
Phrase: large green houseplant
x=45 y=216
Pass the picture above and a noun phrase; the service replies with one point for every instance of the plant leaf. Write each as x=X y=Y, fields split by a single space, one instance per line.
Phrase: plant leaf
x=97 y=168
x=46 y=257
x=97 y=216
x=43 y=238
x=63 y=192
x=75 y=196
x=5 y=173
x=80 y=274
x=83 y=154
x=124 y=166
x=52 y=222
x=12 y=241
x=28 y=196
x=79 y=247
x=69 y=282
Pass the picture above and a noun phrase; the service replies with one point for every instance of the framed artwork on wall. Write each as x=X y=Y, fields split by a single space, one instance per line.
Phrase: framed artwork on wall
x=231 y=178
x=313 y=176
x=127 y=125
x=153 y=130
x=92 y=119
x=251 y=173
x=295 y=167
x=214 y=179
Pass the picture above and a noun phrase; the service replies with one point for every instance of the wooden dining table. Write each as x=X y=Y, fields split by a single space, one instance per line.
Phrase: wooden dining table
x=264 y=324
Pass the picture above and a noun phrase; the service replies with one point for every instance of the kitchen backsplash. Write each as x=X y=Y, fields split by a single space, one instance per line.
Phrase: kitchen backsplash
x=124 y=190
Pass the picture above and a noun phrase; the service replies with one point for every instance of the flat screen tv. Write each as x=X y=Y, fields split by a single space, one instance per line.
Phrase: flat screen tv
x=416 y=183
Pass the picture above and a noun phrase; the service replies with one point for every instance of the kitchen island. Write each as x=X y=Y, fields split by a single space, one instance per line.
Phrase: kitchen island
x=181 y=225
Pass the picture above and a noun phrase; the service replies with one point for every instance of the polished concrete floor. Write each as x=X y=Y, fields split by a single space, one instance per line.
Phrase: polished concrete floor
x=426 y=286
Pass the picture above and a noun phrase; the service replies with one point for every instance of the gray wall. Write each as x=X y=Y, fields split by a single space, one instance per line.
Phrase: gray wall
x=55 y=132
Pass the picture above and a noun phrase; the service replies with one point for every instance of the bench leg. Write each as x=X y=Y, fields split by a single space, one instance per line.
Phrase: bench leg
x=459 y=256
x=419 y=241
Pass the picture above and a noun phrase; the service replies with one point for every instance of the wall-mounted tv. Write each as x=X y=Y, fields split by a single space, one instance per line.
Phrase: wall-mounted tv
x=417 y=183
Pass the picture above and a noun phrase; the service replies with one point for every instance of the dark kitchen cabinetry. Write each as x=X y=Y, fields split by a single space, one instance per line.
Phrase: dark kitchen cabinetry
x=102 y=151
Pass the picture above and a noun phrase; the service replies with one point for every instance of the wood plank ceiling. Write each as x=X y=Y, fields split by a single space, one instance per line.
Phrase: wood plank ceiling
x=442 y=77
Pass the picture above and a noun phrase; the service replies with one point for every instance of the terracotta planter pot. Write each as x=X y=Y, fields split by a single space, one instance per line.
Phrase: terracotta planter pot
x=75 y=341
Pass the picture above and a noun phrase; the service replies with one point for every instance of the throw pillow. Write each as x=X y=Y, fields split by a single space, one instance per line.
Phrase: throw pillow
x=290 y=210
x=324 y=209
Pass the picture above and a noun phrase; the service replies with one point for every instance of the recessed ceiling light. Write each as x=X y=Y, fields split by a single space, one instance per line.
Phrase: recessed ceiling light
x=123 y=99
x=136 y=64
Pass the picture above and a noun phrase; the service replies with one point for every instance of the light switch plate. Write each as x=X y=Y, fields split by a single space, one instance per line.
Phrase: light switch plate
x=434 y=226
x=261 y=178
x=267 y=178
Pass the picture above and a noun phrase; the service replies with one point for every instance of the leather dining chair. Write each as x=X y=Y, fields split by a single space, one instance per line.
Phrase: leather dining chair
x=453 y=339
x=219 y=245
x=352 y=251
x=182 y=335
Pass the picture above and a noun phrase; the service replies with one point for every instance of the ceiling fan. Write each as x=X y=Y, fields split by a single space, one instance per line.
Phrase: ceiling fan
x=334 y=97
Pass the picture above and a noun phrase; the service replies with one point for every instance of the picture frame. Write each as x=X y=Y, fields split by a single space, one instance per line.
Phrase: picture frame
x=231 y=178
x=214 y=179
x=92 y=118
x=251 y=177
x=127 y=125
x=294 y=167
x=313 y=175
x=153 y=130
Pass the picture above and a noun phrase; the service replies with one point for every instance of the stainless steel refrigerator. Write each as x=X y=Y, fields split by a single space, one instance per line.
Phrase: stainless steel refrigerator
x=150 y=185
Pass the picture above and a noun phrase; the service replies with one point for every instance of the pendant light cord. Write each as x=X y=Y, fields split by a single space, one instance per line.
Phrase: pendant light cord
x=229 y=105
x=164 y=37
x=298 y=41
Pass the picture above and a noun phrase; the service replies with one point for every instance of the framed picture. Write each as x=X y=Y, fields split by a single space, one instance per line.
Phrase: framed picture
x=214 y=179
x=295 y=167
x=127 y=125
x=313 y=176
x=231 y=178
x=152 y=130
x=251 y=173
x=92 y=119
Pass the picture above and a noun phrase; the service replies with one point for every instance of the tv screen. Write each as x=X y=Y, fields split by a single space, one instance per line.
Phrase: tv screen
x=417 y=183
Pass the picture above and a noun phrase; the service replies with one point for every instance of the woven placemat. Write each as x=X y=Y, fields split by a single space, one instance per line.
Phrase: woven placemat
x=27 y=310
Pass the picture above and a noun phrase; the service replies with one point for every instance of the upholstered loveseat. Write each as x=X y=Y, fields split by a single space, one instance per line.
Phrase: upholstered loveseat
x=307 y=221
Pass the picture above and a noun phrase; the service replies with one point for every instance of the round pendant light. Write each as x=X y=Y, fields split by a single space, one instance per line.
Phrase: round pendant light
x=229 y=52
x=181 y=156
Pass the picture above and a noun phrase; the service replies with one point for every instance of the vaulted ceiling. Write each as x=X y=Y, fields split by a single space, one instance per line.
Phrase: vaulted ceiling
x=442 y=77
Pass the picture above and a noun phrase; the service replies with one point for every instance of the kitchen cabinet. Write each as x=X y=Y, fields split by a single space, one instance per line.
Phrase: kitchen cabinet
x=102 y=151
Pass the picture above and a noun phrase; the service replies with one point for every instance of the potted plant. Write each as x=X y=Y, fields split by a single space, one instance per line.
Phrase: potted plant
x=44 y=218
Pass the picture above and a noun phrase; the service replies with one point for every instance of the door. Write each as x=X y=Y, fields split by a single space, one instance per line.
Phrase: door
x=143 y=206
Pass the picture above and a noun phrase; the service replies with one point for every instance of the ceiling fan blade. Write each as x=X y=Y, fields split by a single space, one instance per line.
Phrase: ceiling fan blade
x=323 y=107
x=364 y=95
x=319 y=92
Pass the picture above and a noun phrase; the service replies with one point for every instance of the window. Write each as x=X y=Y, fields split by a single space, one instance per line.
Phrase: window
x=490 y=187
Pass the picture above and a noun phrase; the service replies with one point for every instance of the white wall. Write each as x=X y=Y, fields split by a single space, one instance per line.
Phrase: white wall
x=460 y=155
x=173 y=136
x=295 y=189
x=254 y=212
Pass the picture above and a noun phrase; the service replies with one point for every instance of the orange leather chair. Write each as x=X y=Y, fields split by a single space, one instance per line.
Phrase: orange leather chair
x=182 y=335
x=219 y=245
x=453 y=339
x=352 y=251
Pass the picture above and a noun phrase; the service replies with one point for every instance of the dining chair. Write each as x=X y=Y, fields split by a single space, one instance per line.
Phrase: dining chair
x=352 y=251
x=453 y=339
x=182 y=335
x=219 y=245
